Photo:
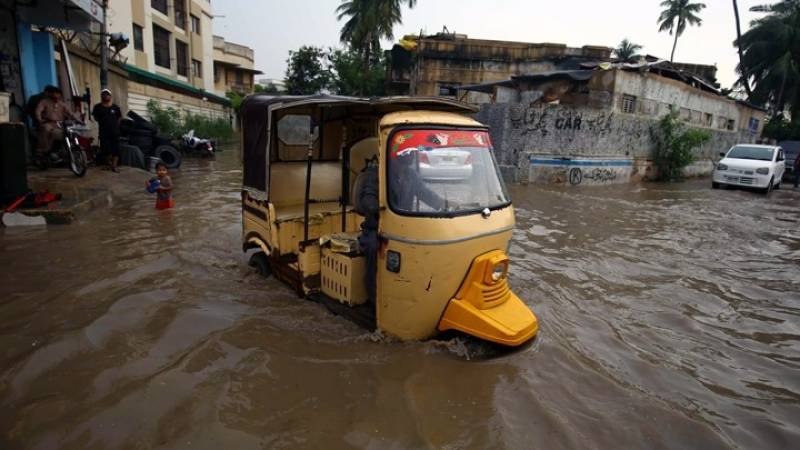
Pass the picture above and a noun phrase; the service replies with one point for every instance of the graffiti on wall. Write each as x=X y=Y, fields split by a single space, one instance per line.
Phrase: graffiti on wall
x=598 y=174
x=558 y=119
x=580 y=171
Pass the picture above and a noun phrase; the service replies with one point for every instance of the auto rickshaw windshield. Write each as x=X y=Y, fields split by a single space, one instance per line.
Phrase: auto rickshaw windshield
x=442 y=172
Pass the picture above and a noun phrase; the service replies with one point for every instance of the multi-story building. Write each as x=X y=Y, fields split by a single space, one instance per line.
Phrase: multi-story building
x=171 y=56
x=233 y=67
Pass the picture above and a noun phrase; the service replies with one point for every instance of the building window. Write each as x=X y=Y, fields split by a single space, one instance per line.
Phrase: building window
x=216 y=74
x=731 y=125
x=239 y=79
x=629 y=104
x=752 y=125
x=182 y=55
x=722 y=122
x=709 y=120
x=138 y=38
x=197 y=69
x=159 y=5
x=161 y=46
x=180 y=14
x=195 y=24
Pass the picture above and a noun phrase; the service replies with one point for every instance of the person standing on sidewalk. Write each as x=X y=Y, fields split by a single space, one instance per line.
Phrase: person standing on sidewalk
x=107 y=114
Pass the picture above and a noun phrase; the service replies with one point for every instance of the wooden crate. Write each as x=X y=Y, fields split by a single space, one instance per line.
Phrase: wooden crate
x=343 y=277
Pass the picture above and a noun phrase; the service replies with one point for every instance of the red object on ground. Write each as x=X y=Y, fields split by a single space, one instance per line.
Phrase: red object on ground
x=13 y=207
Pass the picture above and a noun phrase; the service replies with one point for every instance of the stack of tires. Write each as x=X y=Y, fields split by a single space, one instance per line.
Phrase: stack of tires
x=143 y=134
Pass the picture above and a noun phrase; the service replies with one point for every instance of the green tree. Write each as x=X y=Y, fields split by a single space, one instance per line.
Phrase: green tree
x=236 y=100
x=771 y=58
x=627 y=50
x=349 y=77
x=366 y=23
x=673 y=146
x=677 y=14
x=743 y=80
x=307 y=71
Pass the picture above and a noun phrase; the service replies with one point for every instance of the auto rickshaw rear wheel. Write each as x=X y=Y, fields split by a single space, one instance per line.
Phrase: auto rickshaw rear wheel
x=261 y=263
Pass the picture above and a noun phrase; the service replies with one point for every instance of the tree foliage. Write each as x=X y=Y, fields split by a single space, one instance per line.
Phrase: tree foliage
x=366 y=22
x=307 y=71
x=175 y=123
x=627 y=50
x=343 y=73
x=674 y=143
x=676 y=16
x=349 y=78
x=771 y=59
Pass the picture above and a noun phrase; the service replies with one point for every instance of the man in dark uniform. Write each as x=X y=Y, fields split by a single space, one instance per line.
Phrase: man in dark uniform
x=107 y=114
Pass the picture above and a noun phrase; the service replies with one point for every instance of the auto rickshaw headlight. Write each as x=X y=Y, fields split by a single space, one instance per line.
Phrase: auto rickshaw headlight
x=497 y=270
x=500 y=271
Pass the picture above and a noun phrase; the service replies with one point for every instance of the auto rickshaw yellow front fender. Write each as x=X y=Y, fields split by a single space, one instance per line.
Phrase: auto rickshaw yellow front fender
x=485 y=307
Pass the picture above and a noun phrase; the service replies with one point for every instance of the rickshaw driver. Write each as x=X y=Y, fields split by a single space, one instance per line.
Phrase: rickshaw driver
x=406 y=185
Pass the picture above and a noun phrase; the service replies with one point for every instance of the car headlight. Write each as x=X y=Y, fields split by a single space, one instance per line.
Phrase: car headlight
x=722 y=167
x=763 y=171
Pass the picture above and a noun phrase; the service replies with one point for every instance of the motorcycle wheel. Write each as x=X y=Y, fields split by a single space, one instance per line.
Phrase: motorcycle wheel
x=77 y=161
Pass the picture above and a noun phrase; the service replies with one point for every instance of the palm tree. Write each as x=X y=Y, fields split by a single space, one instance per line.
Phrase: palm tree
x=769 y=58
x=744 y=79
x=676 y=16
x=627 y=50
x=367 y=22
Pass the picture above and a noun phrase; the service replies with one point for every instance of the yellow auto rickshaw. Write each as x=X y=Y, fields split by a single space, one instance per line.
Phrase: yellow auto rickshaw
x=443 y=218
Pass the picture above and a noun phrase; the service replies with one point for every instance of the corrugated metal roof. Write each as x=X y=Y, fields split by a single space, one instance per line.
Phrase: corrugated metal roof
x=135 y=72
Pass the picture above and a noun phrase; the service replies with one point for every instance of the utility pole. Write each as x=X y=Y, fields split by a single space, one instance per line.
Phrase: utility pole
x=104 y=48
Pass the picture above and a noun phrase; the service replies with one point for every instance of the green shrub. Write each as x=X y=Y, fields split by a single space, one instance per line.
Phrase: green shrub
x=674 y=144
x=171 y=122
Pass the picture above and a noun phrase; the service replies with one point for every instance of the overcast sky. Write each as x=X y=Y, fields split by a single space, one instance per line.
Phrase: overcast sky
x=274 y=27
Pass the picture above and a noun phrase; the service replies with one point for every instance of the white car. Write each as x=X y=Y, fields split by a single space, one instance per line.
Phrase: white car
x=446 y=164
x=750 y=165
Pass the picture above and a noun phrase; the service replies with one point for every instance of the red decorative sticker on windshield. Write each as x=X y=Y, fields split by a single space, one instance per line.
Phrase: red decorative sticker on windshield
x=426 y=140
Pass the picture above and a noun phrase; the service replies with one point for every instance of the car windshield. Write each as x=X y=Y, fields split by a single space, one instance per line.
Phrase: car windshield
x=756 y=153
x=440 y=172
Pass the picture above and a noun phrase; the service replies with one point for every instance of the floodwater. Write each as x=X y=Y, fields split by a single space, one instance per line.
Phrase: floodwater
x=670 y=318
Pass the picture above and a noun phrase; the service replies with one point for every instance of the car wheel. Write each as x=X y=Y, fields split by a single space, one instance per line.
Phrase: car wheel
x=768 y=189
x=778 y=186
x=714 y=185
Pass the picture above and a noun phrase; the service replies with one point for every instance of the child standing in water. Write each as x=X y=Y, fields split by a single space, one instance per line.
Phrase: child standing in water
x=164 y=191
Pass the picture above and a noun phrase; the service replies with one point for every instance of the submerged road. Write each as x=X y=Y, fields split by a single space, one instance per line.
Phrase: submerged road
x=670 y=318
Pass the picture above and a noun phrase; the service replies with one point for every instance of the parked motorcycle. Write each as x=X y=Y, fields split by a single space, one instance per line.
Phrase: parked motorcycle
x=69 y=151
x=190 y=144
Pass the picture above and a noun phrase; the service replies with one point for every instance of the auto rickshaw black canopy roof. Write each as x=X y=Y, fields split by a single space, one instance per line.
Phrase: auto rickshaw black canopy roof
x=256 y=121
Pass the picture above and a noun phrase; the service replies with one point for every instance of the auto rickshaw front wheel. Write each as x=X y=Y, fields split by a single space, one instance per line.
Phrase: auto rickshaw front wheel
x=260 y=261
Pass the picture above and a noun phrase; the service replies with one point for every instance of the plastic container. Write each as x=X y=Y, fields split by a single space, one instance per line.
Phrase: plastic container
x=153 y=185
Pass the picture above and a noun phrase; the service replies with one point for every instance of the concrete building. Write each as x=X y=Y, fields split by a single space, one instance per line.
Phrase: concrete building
x=279 y=84
x=439 y=64
x=594 y=124
x=233 y=67
x=170 y=56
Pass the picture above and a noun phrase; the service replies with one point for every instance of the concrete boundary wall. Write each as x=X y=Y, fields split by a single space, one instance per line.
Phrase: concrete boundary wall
x=543 y=143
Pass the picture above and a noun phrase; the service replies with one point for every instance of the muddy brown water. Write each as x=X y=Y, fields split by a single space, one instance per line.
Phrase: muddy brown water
x=670 y=318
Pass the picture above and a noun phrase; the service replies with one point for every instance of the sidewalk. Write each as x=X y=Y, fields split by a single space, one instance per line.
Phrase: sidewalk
x=80 y=195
